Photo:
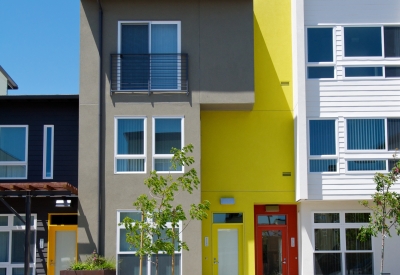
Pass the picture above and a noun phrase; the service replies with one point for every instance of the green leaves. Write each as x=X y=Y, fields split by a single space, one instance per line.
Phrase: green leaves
x=159 y=230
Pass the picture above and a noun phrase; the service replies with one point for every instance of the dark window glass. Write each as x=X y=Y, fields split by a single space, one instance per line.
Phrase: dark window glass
x=271 y=219
x=327 y=263
x=352 y=243
x=362 y=41
x=21 y=271
x=392 y=163
x=365 y=134
x=363 y=71
x=357 y=217
x=326 y=218
x=168 y=135
x=392 y=71
x=136 y=216
x=128 y=264
x=164 y=264
x=18 y=222
x=392 y=41
x=18 y=247
x=320 y=44
x=228 y=218
x=4 y=242
x=366 y=165
x=322 y=137
x=321 y=72
x=327 y=239
x=361 y=263
x=323 y=165
x=393 y=125
x=3 y=220
x=3 y=271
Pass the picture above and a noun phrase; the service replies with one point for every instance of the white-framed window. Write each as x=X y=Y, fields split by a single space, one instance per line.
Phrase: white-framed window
x=48 y=151
x=149 y=57
x=167 y=134
x=13 y=151
x=128 y=262
x=372 y=134
x=322 y=145
x=130 y=145
x=12 y=245
x=320 y=54
x=336 y=247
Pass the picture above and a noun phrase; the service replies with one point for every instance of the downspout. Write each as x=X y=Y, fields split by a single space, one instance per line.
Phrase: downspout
x=100 y=246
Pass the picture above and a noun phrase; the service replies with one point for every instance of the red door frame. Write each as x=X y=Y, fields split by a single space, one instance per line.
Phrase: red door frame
x=291 y=232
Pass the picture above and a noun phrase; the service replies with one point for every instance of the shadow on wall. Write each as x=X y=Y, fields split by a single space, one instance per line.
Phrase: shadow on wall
x=90 y=246
x=271 y=92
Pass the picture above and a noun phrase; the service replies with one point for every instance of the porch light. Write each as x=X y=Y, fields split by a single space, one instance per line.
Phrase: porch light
x=63 y=203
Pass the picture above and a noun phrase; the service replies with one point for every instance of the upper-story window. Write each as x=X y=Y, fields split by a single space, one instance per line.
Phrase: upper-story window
x=149 y=57
x=167 y=134
x=372 y=41
x=373 y=134
x=48 y=151
x=13 y=152
x=322 y=146
x=320 y=53
x=130 y=140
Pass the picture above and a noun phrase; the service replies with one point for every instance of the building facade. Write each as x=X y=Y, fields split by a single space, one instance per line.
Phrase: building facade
x=148 y=68
x=346 y=74
x=38 y=182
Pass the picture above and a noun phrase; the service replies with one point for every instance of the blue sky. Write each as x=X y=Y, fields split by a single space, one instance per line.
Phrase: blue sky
x=39 y=45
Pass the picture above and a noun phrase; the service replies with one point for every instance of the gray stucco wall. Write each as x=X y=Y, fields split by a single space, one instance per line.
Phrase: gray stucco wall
x=218 y=37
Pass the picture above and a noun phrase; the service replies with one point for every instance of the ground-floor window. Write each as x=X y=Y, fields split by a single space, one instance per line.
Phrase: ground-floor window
x=336 y=247
x=12 y=245
x=128 y=262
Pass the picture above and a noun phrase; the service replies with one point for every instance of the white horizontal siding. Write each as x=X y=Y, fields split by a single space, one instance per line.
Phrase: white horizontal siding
x=351 y=11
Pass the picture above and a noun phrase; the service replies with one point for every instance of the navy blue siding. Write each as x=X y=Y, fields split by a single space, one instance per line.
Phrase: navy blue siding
x=36 y=112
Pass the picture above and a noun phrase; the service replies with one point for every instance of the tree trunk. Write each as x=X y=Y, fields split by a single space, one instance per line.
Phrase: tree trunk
x=141 y=246
x=173 y=254
x=383 y=249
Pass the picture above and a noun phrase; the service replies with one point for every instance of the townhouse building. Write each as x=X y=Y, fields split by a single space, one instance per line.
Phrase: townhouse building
x=38 y=183
x=147 y=70
x=346 y=85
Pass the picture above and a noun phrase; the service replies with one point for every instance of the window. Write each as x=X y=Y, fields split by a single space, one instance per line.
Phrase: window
x=373 y=134
x=336 y=247
x=320 y=53
x=13 y=152
x=12 y=244
x=368 y=42
x=149 y=56
x=48 y=151
x=167 y=134
x=128 y=263
x=130 y=144
x=363 y=71
x=322 y=146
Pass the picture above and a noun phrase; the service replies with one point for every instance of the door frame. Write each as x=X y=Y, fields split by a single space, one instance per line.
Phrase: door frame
x=290 y=211
x=51 y=242
x=215 y=227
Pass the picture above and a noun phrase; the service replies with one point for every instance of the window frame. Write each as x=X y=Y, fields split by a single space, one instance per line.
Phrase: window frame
x=323 y=157
x=11 y=228
x=166 y=156
x=149 y=23
x=382 y=56
x=366 y=171
x=131 y=252
x=18 y=163
x=321 y=64
x=342 y=226
x=45 y=143
x=130 y=156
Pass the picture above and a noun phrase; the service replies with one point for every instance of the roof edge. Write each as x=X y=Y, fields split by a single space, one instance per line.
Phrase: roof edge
x=10 y=82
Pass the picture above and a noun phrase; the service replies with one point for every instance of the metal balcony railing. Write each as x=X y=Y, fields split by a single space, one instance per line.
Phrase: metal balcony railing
x=149 y=73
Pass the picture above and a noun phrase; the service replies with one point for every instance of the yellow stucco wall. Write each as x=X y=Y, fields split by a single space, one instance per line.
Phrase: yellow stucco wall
x=244 y=153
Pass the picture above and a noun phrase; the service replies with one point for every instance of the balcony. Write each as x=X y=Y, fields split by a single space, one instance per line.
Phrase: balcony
x=149 y=73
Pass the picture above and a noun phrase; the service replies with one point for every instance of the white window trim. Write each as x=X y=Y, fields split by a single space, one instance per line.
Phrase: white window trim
x=45 y=142
x=8 y=265
x=364 y=57
x=342 y=226
x=366 y=171
x=118 y=252
x=363 y=77
x=130 y=156
x=166 y=156
x=321 y=157
x=18 y=163
x=321 y=64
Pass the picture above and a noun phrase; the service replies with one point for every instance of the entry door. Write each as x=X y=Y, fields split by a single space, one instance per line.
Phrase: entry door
x=272 y=256
x=227 y=249
x=62 y=248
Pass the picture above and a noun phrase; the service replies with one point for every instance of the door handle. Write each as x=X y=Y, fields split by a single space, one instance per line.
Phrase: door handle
x=284 y=261
x=215 y=261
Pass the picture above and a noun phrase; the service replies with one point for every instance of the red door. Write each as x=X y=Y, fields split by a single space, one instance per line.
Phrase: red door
x=276 y=245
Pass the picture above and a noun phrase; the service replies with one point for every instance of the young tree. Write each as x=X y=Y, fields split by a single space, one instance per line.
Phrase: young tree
x=151 y=234
x=385 y=209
